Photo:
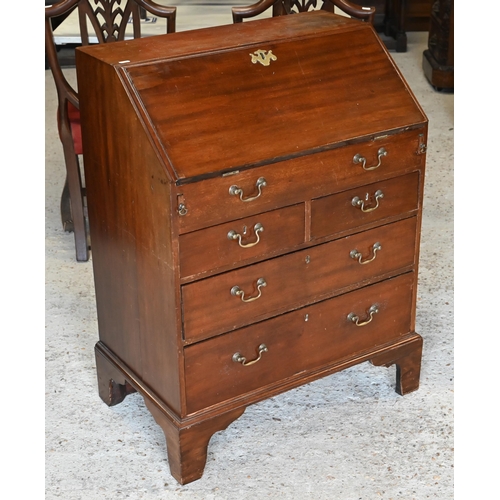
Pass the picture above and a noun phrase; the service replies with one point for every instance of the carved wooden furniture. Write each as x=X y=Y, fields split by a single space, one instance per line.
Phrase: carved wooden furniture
x=255 y=209
x=402 y=16
x=109 y=19
x=284 y=7
x=394 y=18
x=417 y=14
x=438 y=59
x=399 y=15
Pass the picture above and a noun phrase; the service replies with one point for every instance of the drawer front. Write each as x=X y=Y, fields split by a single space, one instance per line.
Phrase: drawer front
x=237 y=241
x=363 y=205
x=221 y=199
x=237 y=298
x=305 y=339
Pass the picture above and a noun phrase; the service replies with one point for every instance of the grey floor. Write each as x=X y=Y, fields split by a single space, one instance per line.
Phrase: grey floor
x=348 y=436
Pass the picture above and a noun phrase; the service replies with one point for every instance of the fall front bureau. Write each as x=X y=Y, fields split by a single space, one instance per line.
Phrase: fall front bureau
x=255 y=202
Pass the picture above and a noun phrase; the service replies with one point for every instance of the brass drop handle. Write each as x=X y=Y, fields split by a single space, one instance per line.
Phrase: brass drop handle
x=238 y=358
x=361 y=159
x=237 y=191
x=358 y=202
x=354 y=254
x=355 y=319
x=238 y=292
x=233 y=235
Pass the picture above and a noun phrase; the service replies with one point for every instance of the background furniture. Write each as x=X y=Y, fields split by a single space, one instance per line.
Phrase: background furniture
x=403 y=16
x=417 y=14
x=438 y=58
x=391 y=18
x=284 y=7
x=269 y=242
x=109 y=21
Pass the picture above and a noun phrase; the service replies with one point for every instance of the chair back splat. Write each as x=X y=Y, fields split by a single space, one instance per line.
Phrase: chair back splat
x=285 y=7
x=108 y=21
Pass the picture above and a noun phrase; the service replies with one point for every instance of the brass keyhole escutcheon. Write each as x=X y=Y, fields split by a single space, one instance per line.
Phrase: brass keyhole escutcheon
x=263 y=57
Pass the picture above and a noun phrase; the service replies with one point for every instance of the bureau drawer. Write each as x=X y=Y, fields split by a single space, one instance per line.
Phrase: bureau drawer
x=363 y=205
x=302 y=340
x=240 y=240
x=231 y=300
x=252 y=191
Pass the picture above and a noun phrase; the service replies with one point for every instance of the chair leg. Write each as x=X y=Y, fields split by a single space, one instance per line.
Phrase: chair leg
x=66 y=218
x=74 y=182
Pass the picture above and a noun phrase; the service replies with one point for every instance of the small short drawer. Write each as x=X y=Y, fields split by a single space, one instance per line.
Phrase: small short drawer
x=260 y=355
x=237 y=298
x=364 y=205
x=262 y=235
x=252 y=191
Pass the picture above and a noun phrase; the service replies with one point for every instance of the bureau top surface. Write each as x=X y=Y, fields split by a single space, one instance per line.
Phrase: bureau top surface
x=211 y=105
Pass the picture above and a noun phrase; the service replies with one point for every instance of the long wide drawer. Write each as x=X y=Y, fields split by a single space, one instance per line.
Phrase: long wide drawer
x=251 y=358
x=221 y=199
x=237 y=241
x=234 y=299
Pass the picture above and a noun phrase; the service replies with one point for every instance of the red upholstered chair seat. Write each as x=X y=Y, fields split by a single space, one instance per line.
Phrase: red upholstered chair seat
x=76 y=130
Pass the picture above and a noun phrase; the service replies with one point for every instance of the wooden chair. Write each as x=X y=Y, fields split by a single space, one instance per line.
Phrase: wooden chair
x=109 y=20
x=284 y=7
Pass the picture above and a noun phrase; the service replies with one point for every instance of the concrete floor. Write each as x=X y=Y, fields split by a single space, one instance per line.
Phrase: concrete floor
x=348 y=436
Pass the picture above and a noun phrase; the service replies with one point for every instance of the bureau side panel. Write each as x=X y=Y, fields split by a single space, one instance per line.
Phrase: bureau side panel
x=133 y=257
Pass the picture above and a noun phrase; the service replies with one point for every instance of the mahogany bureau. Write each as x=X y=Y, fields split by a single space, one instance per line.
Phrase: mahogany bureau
x=254 y=196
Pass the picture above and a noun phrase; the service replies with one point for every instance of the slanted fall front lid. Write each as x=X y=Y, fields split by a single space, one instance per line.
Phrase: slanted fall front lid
x=249 y=104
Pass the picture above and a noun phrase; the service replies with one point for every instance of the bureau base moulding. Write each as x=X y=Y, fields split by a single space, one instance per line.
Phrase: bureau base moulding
x=187 y=440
